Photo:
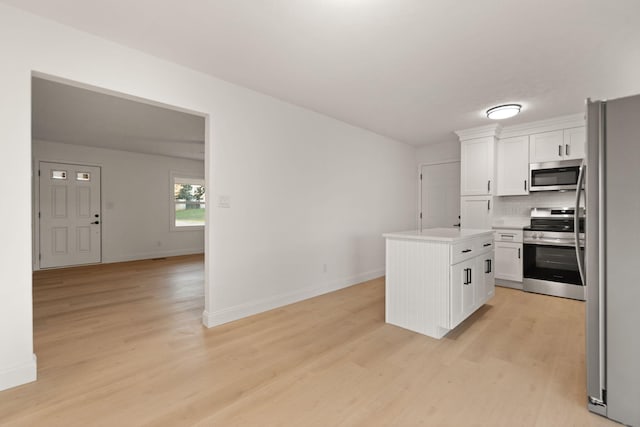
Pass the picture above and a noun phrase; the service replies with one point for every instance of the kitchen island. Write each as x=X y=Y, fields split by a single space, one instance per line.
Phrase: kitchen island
x=436 y=278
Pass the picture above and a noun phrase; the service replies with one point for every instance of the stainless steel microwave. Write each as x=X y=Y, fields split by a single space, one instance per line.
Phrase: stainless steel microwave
x=554 y=176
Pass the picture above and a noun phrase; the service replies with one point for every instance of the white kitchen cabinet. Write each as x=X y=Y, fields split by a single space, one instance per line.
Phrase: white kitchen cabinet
x=509 y=261
x=486 y=264
x=558 y=145
x=463 y=289
x=546 y=147
x=574 y=143
x=477 y=166
x=472 y=284
x=508 y=255
x=475 y=212
x=512 y=166
x=436 y=278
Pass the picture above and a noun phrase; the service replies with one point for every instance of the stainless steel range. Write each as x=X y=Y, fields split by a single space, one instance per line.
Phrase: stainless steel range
x=550 y=264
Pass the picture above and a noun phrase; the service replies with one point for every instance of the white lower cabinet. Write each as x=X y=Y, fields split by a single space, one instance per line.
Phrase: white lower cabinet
x=488 y=275
x=472 y=284
x=462 y=291
x=435 y=281
x=508 y=253
x=509 y=261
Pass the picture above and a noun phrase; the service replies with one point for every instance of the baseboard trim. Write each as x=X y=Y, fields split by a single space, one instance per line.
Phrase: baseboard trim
x=17 y=375
x=136 y=257
x=150 y=255
x=240 y=311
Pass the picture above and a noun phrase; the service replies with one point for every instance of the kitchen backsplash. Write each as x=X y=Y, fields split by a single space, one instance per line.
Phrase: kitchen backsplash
x=520 y=206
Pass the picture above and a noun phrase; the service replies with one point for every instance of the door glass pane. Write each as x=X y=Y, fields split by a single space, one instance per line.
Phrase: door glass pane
x=58 y=174
x=83 y=176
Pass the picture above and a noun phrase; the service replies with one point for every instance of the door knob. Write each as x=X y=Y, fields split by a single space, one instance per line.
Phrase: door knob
x=95 y=222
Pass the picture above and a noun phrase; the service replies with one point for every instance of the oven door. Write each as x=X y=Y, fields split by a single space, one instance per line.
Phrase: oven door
x=554 y=263
x=554 y=176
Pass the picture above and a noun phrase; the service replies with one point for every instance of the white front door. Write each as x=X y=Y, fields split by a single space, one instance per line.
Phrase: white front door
x=440 y=195
x=70 y=218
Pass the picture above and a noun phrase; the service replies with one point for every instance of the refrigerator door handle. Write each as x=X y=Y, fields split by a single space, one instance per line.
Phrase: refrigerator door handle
x=576 y=223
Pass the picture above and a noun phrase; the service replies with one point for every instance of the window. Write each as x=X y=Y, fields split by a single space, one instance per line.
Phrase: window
x=189 y=202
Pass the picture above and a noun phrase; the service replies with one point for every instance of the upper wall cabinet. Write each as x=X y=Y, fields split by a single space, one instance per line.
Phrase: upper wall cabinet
x=512 y=166
x=546 y=147
x=477 y=165
x=557 y=145
x=574 y=143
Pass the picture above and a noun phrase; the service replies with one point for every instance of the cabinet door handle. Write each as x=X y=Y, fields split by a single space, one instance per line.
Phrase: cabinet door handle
x=559 y=150
x=489 y=186
x=470 y=277
x=486 y=244
x=525 y=185
x=518 y=253
x=466 y=277
x=566 y=149
x=466 y=250
x=488 y=205
x=488 y=269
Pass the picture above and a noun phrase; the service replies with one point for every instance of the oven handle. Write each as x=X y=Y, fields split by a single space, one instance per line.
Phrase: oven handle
x=552 y=242
x=576 y=222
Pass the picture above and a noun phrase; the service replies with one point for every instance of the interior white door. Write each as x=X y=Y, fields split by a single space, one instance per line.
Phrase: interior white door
x=70 y=217
x=440 y=195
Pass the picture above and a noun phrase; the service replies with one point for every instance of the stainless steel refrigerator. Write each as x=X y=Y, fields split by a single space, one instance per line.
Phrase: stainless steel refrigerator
x=611 y=264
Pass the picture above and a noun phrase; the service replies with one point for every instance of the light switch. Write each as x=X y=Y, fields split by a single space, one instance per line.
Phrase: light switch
x=224 y=201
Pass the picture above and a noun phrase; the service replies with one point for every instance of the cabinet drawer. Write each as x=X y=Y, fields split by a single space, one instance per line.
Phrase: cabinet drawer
x=463 y=251
x=508 y=235
x=483 y=244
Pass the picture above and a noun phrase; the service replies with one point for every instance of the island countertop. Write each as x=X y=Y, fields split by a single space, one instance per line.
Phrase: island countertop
x=439 y=234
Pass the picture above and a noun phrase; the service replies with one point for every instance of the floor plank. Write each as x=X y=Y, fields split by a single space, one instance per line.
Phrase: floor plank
x=122 y=344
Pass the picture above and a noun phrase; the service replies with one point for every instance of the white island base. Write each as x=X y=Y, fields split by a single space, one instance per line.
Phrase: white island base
x=436 y=278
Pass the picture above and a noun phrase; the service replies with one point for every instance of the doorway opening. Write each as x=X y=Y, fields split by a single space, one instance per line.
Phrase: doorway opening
x=105 y=205
x=112 y=197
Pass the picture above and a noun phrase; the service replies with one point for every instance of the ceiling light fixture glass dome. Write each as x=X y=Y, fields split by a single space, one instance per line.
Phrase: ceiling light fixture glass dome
x=503 y=111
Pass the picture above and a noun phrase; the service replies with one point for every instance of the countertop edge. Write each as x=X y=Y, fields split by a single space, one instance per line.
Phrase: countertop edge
x=508 y=227
x=428 y=238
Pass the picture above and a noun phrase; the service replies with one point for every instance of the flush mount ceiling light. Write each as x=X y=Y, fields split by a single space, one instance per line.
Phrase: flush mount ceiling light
x=503 y=111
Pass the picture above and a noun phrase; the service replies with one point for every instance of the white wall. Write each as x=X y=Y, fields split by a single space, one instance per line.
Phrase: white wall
x=439 y=152
x=306 y=190
x=135 y=200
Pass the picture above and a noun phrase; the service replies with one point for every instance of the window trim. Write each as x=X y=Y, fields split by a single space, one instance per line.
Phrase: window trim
x=173 y=175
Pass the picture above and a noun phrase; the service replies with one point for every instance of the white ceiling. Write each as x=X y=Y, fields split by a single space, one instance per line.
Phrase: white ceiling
x=63 y=113
x=414 y=70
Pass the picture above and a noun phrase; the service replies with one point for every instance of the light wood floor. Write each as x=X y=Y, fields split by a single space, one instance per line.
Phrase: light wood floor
x=123 y=345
